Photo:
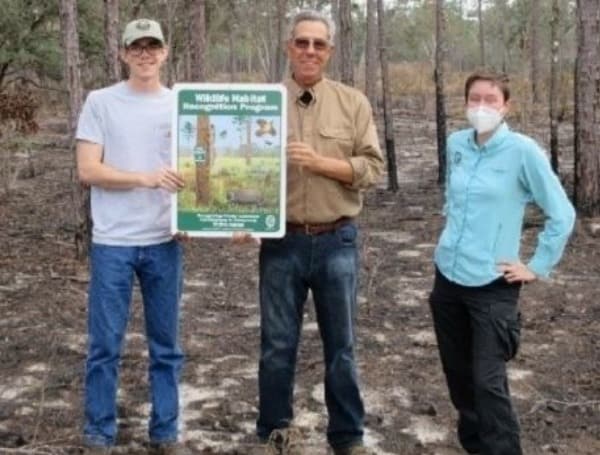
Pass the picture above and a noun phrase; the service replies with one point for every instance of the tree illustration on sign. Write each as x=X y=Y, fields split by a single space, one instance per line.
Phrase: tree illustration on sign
x=244 y=124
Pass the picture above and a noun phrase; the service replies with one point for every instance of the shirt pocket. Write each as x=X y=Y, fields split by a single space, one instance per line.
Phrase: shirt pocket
x=336 y=142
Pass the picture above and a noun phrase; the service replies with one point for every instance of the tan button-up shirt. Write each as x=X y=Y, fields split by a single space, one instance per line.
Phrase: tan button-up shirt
x=338 y=123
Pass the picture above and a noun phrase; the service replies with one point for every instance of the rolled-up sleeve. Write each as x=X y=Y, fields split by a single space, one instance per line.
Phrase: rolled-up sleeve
x=366 y=160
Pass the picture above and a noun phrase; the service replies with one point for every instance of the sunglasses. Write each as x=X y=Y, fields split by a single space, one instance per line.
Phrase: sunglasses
x=318 y=45
x=152 y=48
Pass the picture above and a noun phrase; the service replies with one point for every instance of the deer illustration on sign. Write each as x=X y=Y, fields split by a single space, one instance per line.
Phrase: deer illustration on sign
x=265 y=127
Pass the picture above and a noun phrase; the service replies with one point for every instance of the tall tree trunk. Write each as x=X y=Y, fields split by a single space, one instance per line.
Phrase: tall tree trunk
x=335 y=62
x=280 y=57
x=587 y=109
x=390 y=148
x=371 y=55
x=502 y=10
x=534 y=49
x=554 y=84
x=231 y=46
x=347 y=67
x=197 y=42
x=170 y=11
x=481 y=34
x=187 y=50
x=72 y=75
x=440 y=101
x=111 y=41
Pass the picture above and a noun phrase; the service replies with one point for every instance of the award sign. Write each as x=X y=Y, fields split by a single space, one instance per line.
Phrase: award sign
x=228 y=143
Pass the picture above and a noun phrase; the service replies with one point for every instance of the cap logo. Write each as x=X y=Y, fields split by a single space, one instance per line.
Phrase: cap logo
x=142 y=25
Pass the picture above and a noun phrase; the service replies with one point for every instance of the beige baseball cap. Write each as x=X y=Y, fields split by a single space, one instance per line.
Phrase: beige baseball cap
x=142 y=28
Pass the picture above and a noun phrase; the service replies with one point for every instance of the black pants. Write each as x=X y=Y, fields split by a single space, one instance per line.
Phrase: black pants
x=477 y=330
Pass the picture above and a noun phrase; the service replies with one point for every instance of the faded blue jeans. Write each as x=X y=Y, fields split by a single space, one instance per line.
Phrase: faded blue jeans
x=328 y=265
x=160 y=273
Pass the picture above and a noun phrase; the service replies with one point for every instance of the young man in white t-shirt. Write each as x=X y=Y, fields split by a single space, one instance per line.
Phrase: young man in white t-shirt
x=123 y=154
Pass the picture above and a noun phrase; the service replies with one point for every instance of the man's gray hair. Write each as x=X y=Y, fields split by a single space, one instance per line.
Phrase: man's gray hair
x=315 y=16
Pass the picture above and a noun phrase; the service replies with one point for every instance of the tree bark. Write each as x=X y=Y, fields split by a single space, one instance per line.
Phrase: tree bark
x=554 y=85
x=72 y=75
x=231 y=45
x=334 y=63
x=111 y=41
x=440 y=101
x=534 y=48
x=197 y=42
x=481 y=34
x=504 y=18
x=587 y=109
x=169 y=7
x=371 y=55
x=347 y=67
x=390 y=147
x=280 y=56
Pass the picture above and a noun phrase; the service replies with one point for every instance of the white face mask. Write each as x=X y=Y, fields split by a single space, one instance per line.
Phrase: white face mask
x=483 y=118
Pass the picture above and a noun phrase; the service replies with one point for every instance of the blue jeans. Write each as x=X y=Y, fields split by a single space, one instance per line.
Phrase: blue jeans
x=328 y=265
x=160 y=273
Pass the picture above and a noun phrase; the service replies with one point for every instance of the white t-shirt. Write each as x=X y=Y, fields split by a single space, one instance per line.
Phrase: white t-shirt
x=134 y=130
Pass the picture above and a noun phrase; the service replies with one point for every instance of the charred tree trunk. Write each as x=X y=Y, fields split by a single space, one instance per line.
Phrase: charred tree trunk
x=197 y=42
x=371 y=55
x=111 y=41
x=440 y=100
x=390 y=148
x=534 y=48
x=72 y=75
x=587 y=109
x=554 y=85
x=347 y=67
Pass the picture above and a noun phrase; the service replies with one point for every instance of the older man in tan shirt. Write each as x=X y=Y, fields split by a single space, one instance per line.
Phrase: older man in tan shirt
x=333 y=154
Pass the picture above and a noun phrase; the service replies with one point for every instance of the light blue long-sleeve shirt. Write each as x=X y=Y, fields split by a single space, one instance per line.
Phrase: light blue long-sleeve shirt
x=487 y=189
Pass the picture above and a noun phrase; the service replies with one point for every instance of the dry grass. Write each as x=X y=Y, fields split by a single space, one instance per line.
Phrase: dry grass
x=415 y=81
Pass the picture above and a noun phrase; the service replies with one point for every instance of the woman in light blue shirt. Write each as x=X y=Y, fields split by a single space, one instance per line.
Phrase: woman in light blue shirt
x=493 y=173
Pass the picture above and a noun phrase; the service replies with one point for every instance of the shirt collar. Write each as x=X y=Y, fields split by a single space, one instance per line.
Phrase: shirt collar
x=501 y=133
x=297 y=91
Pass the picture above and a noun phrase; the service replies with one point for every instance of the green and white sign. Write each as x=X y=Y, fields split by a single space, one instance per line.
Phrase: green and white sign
x=229 y=145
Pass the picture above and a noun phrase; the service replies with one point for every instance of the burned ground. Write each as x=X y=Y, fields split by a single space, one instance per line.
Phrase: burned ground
x=555 y=378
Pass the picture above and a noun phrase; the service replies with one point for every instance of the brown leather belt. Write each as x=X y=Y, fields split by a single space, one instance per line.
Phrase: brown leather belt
x=316 y=229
